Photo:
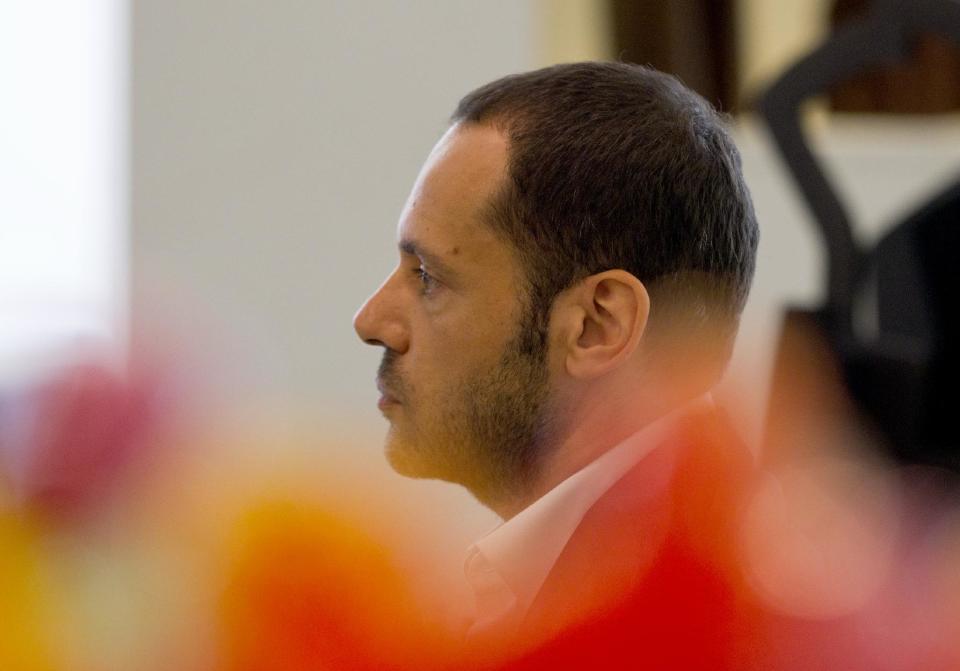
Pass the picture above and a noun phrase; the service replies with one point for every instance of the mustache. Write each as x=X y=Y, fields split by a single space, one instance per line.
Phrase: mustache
x=388 y=379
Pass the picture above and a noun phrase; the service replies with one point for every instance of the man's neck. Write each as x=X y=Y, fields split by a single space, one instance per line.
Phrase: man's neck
x=594 y=424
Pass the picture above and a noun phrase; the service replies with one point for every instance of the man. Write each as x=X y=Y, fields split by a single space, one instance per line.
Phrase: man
x=574 y=258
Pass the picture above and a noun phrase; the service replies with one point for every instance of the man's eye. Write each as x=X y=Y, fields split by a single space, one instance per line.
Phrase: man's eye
x=427 y=283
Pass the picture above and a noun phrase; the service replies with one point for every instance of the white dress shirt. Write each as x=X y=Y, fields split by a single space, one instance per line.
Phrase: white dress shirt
x=507 y=567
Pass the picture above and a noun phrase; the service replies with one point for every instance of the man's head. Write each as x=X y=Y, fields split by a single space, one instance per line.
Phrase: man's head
x=577 y=224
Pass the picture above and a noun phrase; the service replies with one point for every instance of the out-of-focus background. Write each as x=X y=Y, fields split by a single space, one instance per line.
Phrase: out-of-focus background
x=222 y=179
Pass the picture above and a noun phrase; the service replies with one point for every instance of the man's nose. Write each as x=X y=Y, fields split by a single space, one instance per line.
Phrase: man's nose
x=379 y=321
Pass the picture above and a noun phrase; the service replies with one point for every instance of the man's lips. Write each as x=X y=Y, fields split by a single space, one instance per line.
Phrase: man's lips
x=386 y=398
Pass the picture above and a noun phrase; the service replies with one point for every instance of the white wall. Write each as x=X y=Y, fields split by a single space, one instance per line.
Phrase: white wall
x=63 y=93
x=273 y=145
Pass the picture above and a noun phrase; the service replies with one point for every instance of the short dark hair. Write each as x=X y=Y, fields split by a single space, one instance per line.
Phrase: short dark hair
x=613 y=165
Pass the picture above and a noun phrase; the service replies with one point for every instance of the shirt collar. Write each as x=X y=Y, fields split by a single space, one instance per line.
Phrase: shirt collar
x=523 y=550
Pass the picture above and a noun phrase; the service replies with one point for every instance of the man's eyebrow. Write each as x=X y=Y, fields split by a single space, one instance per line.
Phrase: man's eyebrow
x=430 y=258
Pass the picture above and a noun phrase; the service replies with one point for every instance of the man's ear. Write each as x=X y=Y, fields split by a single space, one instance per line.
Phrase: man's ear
x=602 y=319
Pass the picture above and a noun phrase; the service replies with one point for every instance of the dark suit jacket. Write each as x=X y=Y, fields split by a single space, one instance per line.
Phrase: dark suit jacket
x=650 y=573
x=653 y=578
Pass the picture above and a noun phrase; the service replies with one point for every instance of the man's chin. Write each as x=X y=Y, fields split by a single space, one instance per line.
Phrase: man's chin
x=404 y=460
x=413 y=461
x=401 y=463
x=420 y=462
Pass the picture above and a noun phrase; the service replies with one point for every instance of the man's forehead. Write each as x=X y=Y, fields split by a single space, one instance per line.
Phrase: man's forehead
x=479 y=151
x=448 y=202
